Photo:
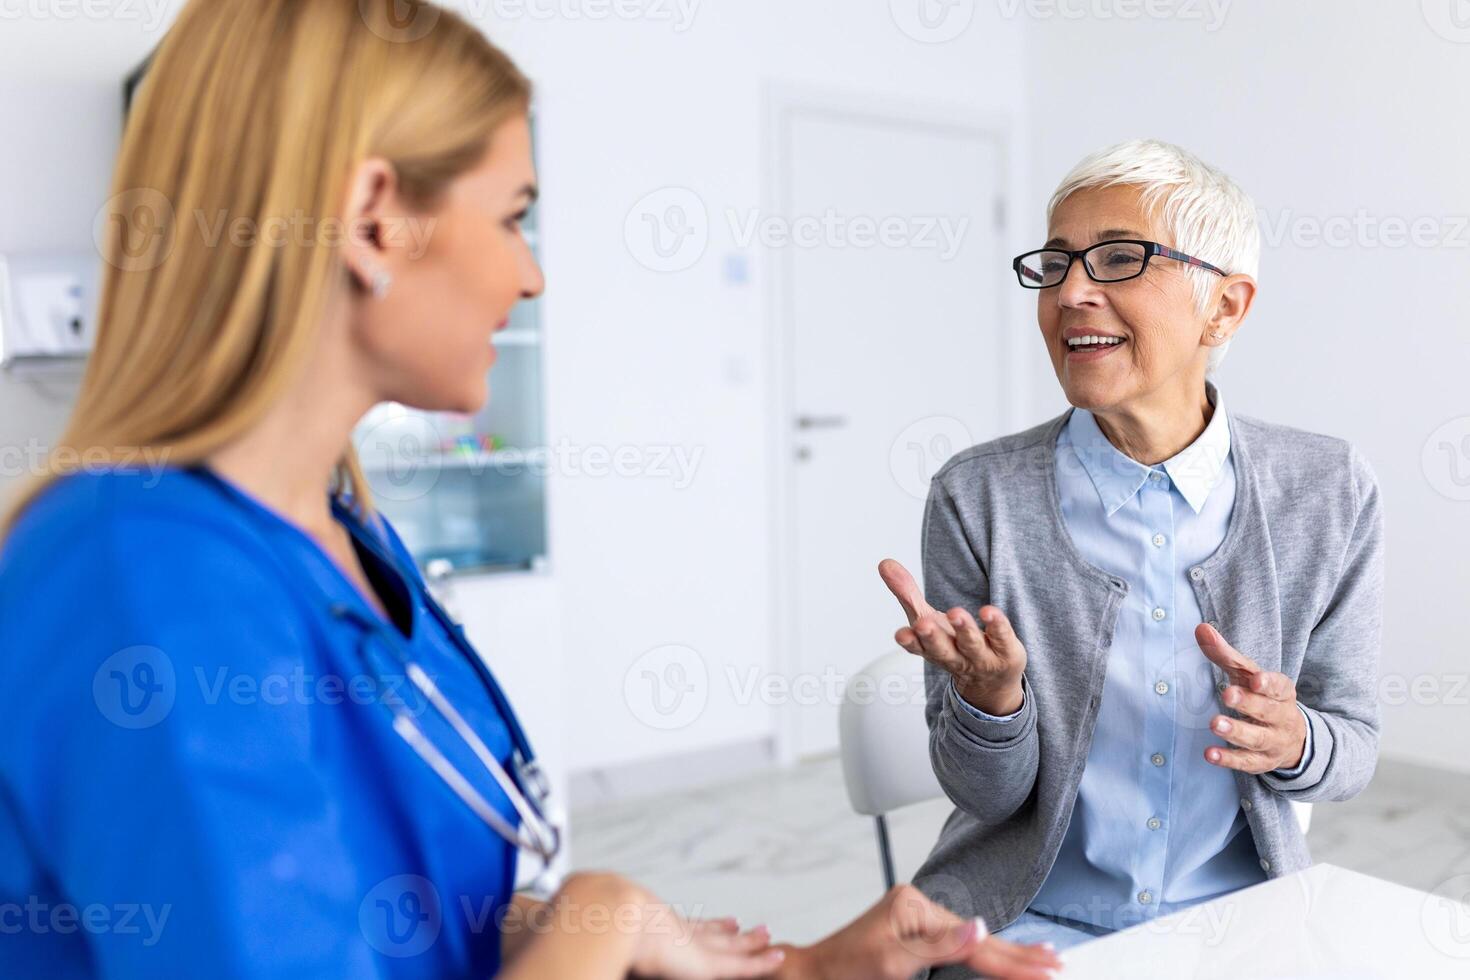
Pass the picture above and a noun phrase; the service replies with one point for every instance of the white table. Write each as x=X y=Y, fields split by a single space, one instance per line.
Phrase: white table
x=1322 y=922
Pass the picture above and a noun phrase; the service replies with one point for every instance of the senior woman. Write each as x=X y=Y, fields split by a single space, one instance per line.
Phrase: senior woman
x=1180 y=605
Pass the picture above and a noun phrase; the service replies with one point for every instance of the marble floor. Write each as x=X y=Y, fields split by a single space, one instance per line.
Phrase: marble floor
x=782 y=848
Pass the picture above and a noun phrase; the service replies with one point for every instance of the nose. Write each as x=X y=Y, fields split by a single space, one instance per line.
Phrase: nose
x=1077 y=288
x=533 y=281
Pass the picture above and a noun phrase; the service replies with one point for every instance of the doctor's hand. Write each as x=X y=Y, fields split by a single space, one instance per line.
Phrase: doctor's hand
x=602 y=926
x=1272 y=733
x=673 y=948
x=986 y=664
x=905 y=932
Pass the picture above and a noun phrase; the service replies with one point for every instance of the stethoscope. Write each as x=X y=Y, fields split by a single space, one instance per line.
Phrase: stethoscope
x=526 y=786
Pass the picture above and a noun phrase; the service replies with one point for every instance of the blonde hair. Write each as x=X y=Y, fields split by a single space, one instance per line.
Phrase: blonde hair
x=259 y=110
x=1210 y=216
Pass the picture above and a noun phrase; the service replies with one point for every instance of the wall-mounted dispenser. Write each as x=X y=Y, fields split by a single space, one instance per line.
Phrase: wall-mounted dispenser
x=48 y=306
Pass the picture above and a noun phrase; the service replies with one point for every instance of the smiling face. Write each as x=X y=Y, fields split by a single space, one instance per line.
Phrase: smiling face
x=1158 y=337
x=457 y=272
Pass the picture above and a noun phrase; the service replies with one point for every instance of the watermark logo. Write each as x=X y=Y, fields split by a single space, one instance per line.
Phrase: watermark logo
x=1450 y=19
x=1210 y=13
x=1445 y=917
x=1446 y=459
x=129 y=919
x=922 y=448
x=148 y=13
x=399 y=21
x=402 y=454
x=932 y=21
x=134 y=229
x=679 y=13
x=941 y=234
x=667 y=687
x=135 y=687
x=401 y=916
x=667 y=230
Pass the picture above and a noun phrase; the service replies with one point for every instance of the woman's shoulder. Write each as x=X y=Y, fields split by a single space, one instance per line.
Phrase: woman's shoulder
x=148 y=525
x=1003 y=458
x=1299 y=461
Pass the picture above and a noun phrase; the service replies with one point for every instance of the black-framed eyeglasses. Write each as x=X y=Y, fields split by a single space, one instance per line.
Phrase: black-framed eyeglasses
x=1116 y=260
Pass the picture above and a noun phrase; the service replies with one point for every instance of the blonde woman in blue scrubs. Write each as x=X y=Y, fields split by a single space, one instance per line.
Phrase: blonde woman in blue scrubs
x=151 y=824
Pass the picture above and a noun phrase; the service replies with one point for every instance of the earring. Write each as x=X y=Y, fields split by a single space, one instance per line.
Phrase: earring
x=382 y=282
x=1216 y=334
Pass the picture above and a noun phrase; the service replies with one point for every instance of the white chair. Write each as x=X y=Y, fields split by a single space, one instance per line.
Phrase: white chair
x=885 y=745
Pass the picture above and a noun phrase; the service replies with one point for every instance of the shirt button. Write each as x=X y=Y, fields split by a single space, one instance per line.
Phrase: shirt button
x=1159 y=540
x=1246 y=805
x=1212 y=624
x=1145 y=898
x=1220 y=686
x=1154 y=823
x=1195 y=574
x=1156 y=476
x=1157 y=758
x=1265 y=865
x=1159 y=613
x=1162 y=687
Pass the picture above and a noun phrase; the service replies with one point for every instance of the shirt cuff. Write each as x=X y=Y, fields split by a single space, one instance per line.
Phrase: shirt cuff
x=1300 y=767
x=986 y=716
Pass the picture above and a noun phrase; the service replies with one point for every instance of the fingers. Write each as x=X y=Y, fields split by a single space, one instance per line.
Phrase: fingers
x=1226 y=657
x=998 y=630
x=1245 y=760
x=1000 y=958
x=1255 y=706
x=1245 y=734
x=904 y=589
x=969 y=639
x=752 y=941
x=726 y=925
x=937 y=646
x=1277 y=687
x=738 y=966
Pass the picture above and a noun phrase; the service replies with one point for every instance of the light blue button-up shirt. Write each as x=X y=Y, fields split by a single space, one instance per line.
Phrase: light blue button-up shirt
x=1156 y=828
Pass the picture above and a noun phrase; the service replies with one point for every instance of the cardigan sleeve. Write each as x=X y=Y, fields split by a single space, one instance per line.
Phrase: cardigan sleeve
x=1337 y=685
x=986 y=766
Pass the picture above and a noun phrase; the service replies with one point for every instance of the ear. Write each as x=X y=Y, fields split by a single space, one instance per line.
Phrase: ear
x=1237 y=293
x=372 y=196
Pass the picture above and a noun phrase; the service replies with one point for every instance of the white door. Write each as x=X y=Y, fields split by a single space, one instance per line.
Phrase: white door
x=888 y=319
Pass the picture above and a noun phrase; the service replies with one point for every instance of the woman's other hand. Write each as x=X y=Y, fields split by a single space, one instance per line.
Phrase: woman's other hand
x=905 y=932
x=986 y=664
x=1271 y=732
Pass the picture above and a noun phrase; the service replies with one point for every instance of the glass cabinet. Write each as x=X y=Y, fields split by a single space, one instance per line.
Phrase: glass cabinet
x=469 y=491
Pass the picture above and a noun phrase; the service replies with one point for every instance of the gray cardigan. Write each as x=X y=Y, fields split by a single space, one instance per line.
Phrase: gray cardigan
x=1297 y=586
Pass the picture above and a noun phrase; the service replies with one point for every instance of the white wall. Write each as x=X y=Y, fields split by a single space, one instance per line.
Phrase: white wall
x=642 y=358
x=1323 y=109
x=60 y=135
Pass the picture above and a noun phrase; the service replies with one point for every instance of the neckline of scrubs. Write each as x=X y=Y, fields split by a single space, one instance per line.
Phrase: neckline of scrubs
x=388 y=569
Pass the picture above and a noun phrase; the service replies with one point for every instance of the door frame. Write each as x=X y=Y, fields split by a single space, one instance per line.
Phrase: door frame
x=783 y=102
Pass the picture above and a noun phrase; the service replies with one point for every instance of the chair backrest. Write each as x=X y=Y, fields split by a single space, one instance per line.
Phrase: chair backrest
x=1303 y=813
x=884 y=738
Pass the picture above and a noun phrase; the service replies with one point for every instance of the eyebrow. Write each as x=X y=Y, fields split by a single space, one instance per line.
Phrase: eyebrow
x=1105 y=236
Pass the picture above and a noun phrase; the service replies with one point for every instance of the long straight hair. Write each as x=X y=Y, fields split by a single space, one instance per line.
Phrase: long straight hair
x=259 y=110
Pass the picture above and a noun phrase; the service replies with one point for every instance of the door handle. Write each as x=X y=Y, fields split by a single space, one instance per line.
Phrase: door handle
x=821 y=421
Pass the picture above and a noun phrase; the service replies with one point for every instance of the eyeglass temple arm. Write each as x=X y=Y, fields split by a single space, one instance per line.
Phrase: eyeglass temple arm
x=1170 y=253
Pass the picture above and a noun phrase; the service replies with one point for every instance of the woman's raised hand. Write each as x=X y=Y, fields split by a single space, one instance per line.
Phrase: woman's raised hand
x=986 y=664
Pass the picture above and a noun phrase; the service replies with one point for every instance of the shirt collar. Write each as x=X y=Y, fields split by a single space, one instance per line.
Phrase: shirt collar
x=1195 y=471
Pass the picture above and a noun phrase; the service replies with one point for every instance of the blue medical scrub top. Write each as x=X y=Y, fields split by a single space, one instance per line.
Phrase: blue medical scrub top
x=198 y=770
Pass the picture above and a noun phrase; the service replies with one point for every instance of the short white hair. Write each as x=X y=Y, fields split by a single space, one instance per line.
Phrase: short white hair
x=1208 y=214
